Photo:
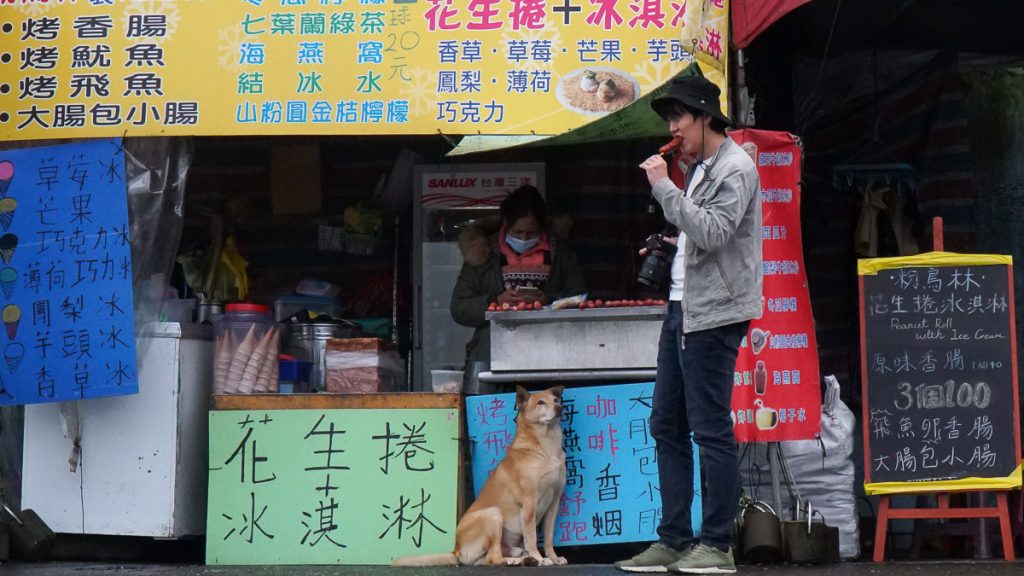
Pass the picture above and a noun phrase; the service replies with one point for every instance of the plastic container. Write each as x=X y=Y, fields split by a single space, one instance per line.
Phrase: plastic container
x=288 y=376
x=307 y=341
x=247 y=345
x=446 y=381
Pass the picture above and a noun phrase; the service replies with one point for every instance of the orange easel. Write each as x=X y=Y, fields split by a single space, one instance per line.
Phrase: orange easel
x=943 y=510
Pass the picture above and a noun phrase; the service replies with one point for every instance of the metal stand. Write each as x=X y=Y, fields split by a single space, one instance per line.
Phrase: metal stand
x=774 y=451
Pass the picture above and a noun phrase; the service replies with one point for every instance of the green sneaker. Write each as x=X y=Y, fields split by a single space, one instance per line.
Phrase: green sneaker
x=654 y=559
x=703 y=559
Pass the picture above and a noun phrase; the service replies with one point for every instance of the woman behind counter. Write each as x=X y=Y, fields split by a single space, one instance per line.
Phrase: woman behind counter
x=495 y=268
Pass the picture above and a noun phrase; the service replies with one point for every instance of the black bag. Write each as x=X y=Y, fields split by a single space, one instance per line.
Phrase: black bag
x=30 y=537
x=810 y=542
x=760 y=533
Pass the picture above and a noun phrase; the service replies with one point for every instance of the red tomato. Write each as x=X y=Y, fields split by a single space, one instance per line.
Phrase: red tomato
x=599 y=303
x=582 y=306
x=506 y=306
x=537 y=305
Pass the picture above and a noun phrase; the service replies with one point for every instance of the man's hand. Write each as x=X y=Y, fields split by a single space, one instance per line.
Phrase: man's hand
x=670 y=239
x=511 y=297
x=656 y=168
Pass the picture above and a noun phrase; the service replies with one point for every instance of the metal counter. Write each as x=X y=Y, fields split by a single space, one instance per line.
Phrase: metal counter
x=591 y=344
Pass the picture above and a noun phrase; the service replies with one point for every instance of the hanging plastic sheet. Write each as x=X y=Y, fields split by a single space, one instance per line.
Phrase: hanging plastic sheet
x=155 y=172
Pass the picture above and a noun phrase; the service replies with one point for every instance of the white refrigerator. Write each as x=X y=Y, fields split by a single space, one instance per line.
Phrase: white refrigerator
x=143 y=463
x=446 y=198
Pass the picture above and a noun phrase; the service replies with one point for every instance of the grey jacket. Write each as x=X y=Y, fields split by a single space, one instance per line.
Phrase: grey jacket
x=722 y=223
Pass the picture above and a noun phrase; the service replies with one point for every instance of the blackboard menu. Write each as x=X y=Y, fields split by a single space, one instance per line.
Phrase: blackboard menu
x=939 y=369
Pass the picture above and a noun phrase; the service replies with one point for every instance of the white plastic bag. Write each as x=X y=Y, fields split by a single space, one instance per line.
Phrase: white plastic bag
x=822 y=469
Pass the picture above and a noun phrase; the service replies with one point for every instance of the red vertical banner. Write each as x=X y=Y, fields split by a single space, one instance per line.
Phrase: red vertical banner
x=776 y=394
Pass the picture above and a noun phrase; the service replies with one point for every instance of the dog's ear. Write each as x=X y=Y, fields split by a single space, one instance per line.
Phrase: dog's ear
x=557 y=391
x=522 y=396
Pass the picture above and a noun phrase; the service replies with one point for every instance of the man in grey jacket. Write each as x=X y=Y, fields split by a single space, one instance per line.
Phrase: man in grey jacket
x=716 y=291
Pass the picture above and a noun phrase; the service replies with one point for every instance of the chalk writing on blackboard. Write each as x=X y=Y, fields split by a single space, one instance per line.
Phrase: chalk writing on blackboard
x=938 y=362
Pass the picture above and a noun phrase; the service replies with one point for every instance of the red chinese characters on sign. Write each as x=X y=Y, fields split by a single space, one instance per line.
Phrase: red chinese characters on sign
x=527 y=14
x=442 y=15
x=484 y=13
x=679 y=13
x=648 y=13
x=712 y=42
x=776 y=392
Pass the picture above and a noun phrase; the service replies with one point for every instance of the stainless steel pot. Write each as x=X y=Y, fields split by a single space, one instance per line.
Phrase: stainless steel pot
x=208 y=310
x=307 y=342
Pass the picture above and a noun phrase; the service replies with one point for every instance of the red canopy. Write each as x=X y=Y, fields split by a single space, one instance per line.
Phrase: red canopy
x=751 y=17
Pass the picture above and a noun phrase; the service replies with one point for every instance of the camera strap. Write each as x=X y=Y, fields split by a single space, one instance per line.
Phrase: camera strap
x=707 y=167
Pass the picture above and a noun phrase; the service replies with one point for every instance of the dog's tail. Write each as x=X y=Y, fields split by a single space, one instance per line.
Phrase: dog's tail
x=427 y=560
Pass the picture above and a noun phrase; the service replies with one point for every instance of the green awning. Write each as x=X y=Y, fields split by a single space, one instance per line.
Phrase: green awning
x=633 y=121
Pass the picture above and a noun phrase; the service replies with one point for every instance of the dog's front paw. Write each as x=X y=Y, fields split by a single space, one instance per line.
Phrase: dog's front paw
x=534 y=561
x=546 y=562
x=559 y=561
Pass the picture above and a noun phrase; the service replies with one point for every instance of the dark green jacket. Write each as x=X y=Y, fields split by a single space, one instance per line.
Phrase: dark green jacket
x=480 y=283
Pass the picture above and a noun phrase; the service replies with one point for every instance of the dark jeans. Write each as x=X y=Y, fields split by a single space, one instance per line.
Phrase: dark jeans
x=692 y=393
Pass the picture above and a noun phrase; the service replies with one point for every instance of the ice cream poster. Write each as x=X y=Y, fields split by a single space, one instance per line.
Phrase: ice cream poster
x=65 y=274
x=776 y=386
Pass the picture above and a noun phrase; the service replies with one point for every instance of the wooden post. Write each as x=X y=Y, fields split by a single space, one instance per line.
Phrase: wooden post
x=937 y=234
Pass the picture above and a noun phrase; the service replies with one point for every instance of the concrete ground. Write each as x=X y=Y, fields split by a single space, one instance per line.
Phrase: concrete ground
x=905 y=568
x=73 y=555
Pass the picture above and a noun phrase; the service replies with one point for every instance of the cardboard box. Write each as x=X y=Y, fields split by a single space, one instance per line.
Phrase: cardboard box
x=362 y=366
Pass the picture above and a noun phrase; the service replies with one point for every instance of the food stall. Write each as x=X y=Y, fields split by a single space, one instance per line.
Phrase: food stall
x=276 y=173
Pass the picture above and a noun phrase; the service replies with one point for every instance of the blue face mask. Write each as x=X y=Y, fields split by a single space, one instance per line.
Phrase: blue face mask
x=520 y=246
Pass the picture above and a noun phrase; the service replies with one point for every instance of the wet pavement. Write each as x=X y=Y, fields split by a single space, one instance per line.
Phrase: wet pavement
x=896 y=568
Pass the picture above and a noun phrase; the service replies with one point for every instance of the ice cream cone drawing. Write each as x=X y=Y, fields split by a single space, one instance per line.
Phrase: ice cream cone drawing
x=8 y=244
x=6 y=175
x=12 y=316
x=7 y=208
x=8 y=279
x=13 y=354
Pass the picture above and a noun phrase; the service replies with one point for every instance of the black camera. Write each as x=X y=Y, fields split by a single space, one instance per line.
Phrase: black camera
x=658 y=261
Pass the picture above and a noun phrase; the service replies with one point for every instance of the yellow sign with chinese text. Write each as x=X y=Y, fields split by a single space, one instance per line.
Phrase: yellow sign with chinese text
x=91 y=68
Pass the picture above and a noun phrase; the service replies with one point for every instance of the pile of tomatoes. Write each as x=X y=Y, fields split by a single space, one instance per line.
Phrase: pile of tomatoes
x=506 y=307
x=619 y=303
x=586 y=305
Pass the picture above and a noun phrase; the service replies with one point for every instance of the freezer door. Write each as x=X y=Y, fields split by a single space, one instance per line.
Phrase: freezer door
x=443 y=341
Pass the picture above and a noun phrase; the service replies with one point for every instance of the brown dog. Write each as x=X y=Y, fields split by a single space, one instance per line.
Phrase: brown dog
x=500 y=528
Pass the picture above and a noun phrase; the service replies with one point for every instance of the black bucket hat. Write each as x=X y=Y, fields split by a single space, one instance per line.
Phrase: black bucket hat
x=695 y=92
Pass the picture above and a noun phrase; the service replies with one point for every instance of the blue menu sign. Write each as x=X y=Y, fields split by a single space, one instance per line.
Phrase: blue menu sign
x=65 y=274
x=611 y=491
